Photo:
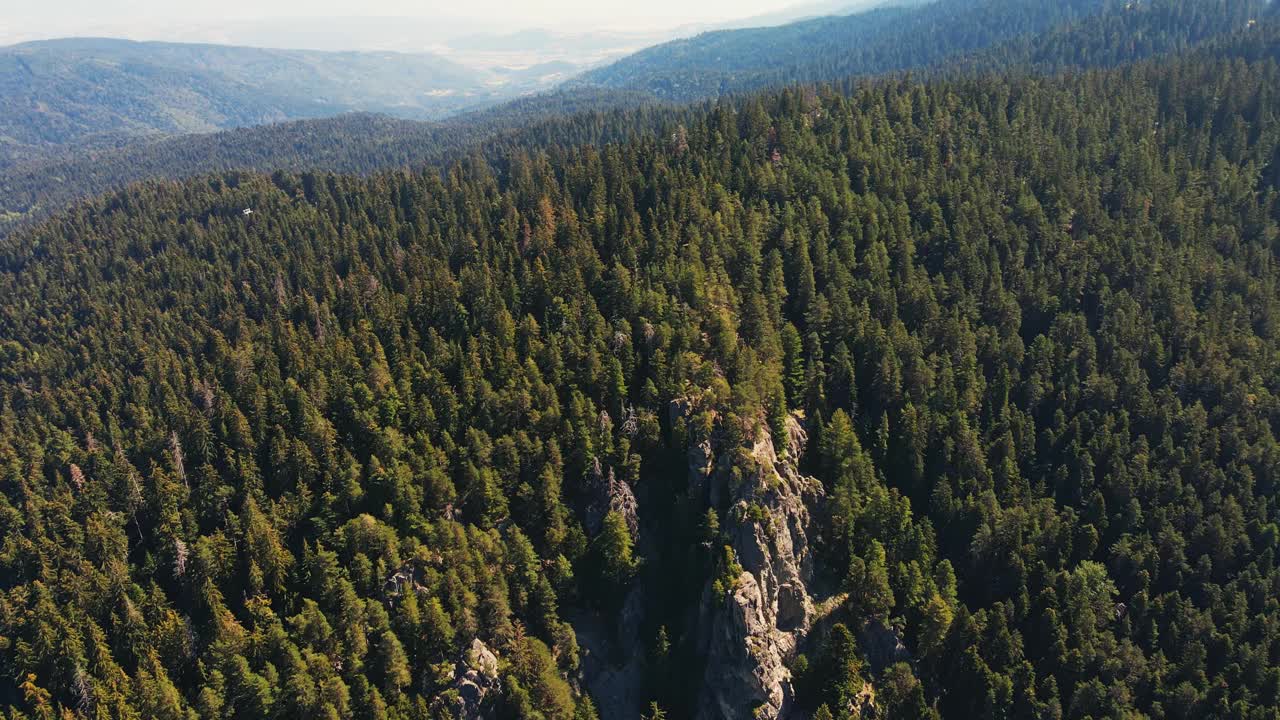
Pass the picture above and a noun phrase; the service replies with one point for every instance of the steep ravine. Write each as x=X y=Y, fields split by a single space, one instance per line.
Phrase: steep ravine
x=753 y=611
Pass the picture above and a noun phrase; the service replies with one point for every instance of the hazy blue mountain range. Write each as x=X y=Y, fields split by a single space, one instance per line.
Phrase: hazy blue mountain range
x=78 y=91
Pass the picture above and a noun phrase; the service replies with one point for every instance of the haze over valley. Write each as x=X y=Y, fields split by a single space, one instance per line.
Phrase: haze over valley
x=589 y=359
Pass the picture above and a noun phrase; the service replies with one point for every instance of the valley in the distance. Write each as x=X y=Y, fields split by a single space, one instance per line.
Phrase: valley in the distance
x=917 y=360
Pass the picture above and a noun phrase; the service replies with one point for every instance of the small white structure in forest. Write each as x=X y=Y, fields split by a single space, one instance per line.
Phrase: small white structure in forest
x=247 y=212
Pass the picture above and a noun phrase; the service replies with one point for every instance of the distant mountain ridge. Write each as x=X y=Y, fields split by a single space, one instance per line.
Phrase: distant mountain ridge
x=927 y=35
x=585 y=113
x=99 y=91
x=830 y=48
x=351 y=143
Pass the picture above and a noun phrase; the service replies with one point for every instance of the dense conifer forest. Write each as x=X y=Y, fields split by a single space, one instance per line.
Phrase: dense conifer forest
x=943 y=37
x=911 y=397
x=923 y=36
x=352 y=143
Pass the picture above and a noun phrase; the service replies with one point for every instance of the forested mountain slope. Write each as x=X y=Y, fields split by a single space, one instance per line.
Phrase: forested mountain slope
x=569 y=115
x=832 y=48
x=984 y=33
x=1124 y=33
x=952 y=398
x=75 y=92
x=352 y=143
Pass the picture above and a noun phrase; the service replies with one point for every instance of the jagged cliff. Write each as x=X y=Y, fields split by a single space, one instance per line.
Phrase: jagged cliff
x=749 y=633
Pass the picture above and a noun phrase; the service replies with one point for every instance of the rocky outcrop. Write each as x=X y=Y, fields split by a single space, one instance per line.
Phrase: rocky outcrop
x=750 y=633
x=475 y=675
x=474 y=679
x=407 y=577
x=881 y=644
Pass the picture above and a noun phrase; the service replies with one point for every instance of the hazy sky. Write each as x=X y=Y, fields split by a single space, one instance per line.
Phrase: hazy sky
x=44 y=18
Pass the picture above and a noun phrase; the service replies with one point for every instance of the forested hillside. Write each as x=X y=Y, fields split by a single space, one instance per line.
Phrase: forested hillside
x=948 y=398
x=351 y=143
x=1124 y=33
x=833 y=48
x=85 y=92
x=1050 y=33
x=589 y=113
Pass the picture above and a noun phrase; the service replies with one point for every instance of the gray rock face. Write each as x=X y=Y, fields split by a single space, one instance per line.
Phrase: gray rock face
x=882 y=645
x=475 y=677
x=750 y=634
x=406 y=578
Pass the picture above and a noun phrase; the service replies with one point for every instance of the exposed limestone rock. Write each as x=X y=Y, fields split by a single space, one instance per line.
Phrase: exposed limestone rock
x=701 y=462
x=474 y=679
x=406 y=577
x=750 y=635
x=612 y=659
x=794 y=606
x=482 y=659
